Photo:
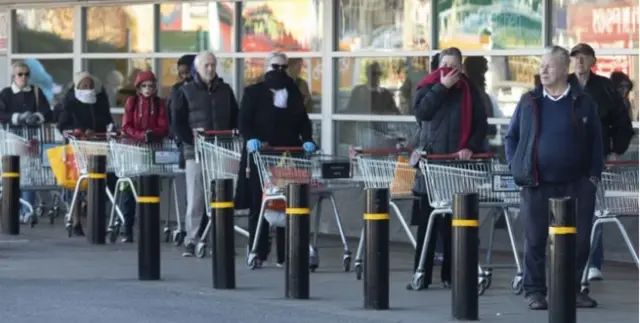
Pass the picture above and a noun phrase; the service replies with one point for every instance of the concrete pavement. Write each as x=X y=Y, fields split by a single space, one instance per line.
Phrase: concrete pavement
x=46 y=277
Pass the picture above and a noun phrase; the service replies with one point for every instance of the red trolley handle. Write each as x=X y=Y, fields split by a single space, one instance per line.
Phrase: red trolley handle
x=382 y=151
x=622 y=163
x=82 y=134
x=232 y=132
x=455 y=156
x=281 y=148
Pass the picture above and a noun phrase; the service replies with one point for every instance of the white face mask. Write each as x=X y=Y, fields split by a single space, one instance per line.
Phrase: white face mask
x=146 y=91
x=86 y=96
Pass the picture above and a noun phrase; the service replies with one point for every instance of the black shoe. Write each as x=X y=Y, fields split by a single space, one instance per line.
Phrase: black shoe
x=584 y=301
x=537 y=302
x=189 y=250
x=77 y=231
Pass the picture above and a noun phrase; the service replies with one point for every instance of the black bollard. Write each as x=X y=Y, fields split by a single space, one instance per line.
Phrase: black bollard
x=376 y=249
x=10 y=195
x=97 y=199
x=149 y=228
x=296 y=271
x=222 y=234
x=562 y=270
x=464 y=284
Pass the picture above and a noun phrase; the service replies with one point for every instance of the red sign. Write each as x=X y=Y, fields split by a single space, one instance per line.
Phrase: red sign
x=612 y=25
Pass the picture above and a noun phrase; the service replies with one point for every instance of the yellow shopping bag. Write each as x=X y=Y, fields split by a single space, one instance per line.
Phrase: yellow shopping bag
x=404 y=177
x=63 y=164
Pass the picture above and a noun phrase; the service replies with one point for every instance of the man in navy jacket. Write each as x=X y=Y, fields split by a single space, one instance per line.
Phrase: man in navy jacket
x=554 y=149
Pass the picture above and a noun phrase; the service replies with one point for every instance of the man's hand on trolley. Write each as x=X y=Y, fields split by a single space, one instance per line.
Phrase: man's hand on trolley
x=23 y=117
x=464 y=154
x=309 y=147
x=253 y=145
x=148 y=136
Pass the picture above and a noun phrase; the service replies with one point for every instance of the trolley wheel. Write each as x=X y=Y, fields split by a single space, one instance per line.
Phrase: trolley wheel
x=201 y=250
x=167 y=235
x=69 y=228
x=417 y=281
x=53 y=214
x=38 y=211
x=178 y=237
x=346 y=263
x=358 y=269
x=482 y=286
x=488 y=278
x=33 y=220
x=112 y=235
x=516 y=284
x=252 y=261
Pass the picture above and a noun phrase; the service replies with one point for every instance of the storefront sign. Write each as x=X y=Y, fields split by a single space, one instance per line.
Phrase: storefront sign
x=4 y=31
x=612 y=25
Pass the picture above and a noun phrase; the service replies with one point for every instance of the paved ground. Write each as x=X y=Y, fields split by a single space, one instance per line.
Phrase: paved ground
x=46 y=277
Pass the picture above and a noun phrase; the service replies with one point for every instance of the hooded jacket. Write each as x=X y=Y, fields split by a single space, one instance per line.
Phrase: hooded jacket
x=145 y=113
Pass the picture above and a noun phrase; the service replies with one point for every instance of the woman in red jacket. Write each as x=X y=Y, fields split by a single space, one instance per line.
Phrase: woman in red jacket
x=144 y=120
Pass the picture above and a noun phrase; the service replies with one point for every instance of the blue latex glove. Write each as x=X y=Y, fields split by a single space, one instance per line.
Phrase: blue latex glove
x=309 y=147
x=253 y=145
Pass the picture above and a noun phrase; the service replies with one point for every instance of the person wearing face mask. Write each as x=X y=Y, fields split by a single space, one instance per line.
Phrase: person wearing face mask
x=86 y=110
x=23 y=104
x=272 y=113
x=144 y=120
x=206 y=103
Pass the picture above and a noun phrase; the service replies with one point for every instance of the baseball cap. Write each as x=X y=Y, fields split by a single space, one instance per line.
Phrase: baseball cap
x=583 y=48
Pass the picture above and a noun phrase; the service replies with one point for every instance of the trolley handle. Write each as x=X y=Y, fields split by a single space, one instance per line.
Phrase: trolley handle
x=621 y=163
x=282 y=149
x=392 y=151
x=202 y=131
x=82 y=134
x=455 y=156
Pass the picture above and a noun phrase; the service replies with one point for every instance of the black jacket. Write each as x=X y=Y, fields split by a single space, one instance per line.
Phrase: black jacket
x=617 y=129
x=174 y=93
x=200 y=106
x=77 y=115
x=15 y=103
x=438 y=110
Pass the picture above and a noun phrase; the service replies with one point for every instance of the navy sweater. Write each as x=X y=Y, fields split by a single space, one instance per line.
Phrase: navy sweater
x=558 y=144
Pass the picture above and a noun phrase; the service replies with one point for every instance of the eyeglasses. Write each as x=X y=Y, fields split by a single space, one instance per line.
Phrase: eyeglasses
x=148 y=86
x=23 y=74
x=279 y=66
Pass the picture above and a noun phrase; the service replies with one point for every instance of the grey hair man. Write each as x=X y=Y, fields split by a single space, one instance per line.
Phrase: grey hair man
x=554 y=149
x=207 y=103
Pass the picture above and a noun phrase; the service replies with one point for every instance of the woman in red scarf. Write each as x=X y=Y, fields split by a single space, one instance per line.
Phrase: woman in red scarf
x=452 y=120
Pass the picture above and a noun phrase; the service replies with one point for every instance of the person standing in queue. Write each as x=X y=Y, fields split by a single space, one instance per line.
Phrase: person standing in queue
x=85 y=110
x=144 y=120
x=554 y=149
x=272 y=113
x=453 y=121
x=207 y=103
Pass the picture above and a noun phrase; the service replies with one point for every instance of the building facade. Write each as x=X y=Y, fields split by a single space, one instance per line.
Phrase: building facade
x=345 y=45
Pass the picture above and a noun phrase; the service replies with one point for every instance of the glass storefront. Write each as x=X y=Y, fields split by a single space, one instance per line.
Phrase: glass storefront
x=360 y=60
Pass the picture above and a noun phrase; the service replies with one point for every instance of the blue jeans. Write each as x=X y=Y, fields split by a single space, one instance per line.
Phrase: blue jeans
x=597 y=254
x=29 y=197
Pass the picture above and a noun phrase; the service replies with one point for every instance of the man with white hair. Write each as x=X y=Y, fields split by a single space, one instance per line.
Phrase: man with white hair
x=554 y=149
x=207 y=103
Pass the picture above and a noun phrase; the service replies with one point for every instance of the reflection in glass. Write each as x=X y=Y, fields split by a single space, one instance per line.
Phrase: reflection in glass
x=168 y=73
x=601 y=23
x=43 y=30
x=381 y=135
x=117 y=76
x=301 y=69
x=195 y=26
x=378 y=85
x=288 y=26
x=490 y=24
x=119 y=29
x=605 y=65
x=317 y=132
x=53 y=76
x=384 y=25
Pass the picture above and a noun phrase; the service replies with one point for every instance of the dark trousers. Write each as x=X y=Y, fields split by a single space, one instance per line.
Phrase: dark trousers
x=127 y=205
x=254 y=213
x=441 y=228
x=534 y=212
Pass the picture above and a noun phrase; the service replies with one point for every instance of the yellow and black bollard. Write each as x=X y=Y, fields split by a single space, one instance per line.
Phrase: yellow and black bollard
x=376 y=249
x=10 y=223
x=149 y=228
x=296 y=272
x=97 y=200
x=222 y=234
x=562 y=269
x=464 y=284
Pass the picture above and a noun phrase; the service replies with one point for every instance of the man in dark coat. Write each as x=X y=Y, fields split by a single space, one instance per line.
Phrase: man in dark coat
x=205 y=103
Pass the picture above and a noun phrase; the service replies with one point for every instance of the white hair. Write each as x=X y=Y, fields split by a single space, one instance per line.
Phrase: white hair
x=202 y=57
x=561 y=53
x=271 y=56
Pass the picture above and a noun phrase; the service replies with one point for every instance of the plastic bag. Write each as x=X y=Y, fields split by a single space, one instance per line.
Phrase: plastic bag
x=275 y=218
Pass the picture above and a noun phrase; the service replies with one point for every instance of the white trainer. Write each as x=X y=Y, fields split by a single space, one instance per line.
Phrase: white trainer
x=594 y=274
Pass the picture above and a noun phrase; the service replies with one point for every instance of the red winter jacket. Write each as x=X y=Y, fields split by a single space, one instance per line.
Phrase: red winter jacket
x=145 y=113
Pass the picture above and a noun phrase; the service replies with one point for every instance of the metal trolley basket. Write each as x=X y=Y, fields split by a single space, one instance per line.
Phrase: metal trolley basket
x=445 y=175
x=384 y=168
x=219 y=153
x=31 y=143
x=132 y=158
x=617 y=197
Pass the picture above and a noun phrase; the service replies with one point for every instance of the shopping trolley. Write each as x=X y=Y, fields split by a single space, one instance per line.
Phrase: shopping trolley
x=131 y=158
x=31 y=144
x=384 y=168
x=219 y=153
x=85 y=145
x=616 y=197
x=276 y=171
x=445 y=175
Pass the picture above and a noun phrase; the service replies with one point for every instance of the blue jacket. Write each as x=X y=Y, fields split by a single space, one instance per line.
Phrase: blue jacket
x=522 y=136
